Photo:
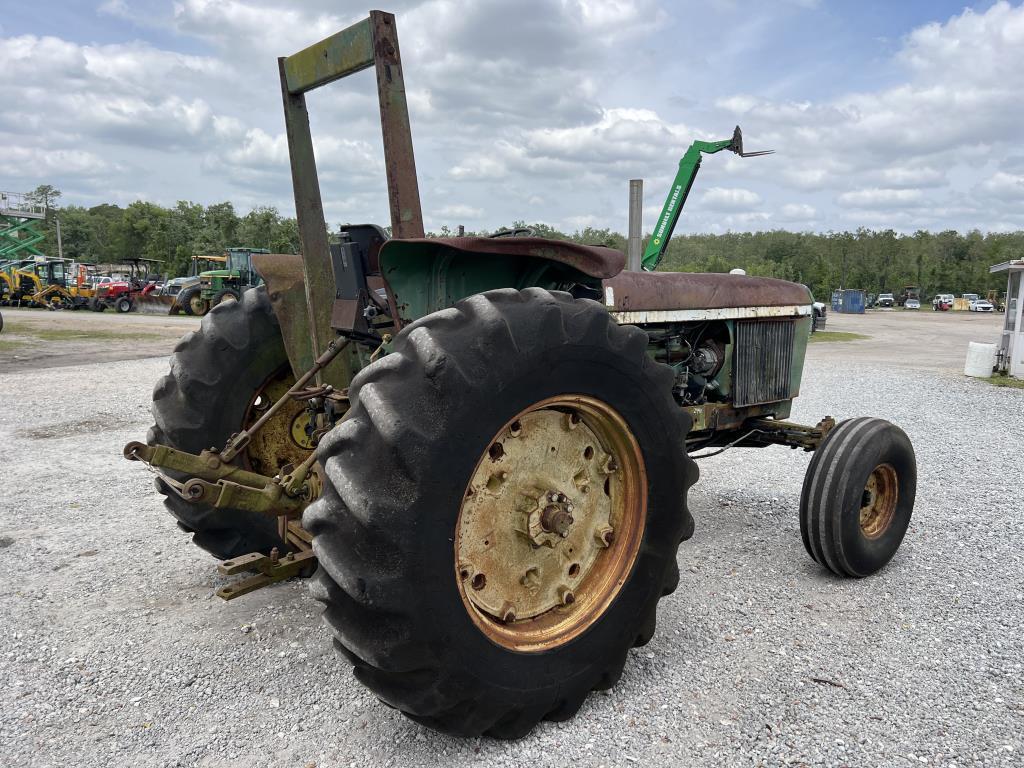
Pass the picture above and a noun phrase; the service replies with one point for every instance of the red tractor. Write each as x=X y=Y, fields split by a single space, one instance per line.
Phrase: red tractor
x=121 y=294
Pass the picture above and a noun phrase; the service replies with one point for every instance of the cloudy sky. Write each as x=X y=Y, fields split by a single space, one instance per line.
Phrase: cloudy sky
x=883 y=114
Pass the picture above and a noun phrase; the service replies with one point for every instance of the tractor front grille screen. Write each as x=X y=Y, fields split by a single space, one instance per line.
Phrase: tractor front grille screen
x=762 y=361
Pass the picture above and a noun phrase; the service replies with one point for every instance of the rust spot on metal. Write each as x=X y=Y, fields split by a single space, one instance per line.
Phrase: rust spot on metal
x=638 y=291
x=543 y=550
x=878 y=503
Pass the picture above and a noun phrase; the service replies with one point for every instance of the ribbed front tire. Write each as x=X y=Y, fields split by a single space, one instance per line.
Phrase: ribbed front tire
x=858 y=496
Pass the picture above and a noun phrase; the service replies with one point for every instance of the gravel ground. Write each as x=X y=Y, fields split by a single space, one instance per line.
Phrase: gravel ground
x=114 y=650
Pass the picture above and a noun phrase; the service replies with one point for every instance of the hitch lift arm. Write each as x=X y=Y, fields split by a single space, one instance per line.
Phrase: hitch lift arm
x=688 y=167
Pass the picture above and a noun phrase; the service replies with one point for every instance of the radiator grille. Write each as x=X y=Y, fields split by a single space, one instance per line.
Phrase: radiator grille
x=762 y=361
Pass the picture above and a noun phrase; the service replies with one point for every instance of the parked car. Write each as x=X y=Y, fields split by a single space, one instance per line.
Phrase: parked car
x=980 y=305
x=912 y=304
x=942 y=302
x=820 y=312
x=886 y=300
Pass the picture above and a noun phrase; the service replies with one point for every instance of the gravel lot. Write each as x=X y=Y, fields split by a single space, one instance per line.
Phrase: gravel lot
x=114 y=650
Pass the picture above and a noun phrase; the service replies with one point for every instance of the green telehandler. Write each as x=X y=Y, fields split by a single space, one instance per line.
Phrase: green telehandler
x=481 y=448
x=689 y=164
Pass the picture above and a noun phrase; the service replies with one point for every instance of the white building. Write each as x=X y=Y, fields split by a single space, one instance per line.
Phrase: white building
x=1010 y=357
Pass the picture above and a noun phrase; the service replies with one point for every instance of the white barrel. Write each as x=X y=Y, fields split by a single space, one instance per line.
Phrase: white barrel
x=981 y=358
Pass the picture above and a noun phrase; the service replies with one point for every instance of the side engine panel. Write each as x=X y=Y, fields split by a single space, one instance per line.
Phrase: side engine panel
x=730 y=370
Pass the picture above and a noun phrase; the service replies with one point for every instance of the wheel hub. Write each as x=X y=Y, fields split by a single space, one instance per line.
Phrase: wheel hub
x=536 y=530
x=284 y=440
x=878 y=501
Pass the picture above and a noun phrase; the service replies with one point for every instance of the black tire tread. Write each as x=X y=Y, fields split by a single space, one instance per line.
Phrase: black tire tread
x=826 y=485
x=357 y=527
x=206 y=367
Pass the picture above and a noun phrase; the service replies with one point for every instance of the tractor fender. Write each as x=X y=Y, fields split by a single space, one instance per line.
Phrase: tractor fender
x=426 y=275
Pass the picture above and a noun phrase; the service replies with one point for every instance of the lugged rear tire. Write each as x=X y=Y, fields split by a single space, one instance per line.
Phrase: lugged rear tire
x=397 y=470
x=215 y=372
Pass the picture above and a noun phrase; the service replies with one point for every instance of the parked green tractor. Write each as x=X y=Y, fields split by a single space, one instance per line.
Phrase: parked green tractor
x=220 y=285
x=483 y=446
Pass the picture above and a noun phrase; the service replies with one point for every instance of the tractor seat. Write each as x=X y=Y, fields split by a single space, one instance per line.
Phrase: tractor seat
x=641 y=291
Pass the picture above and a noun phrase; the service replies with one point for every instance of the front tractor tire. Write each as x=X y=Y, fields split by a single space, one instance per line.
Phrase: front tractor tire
x=501 y=511
x=222 y=378
x=193 y=303
x=228 y=294
x=858 y=496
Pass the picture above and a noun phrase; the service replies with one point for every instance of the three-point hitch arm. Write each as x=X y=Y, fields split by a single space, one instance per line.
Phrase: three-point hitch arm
x=688 y=167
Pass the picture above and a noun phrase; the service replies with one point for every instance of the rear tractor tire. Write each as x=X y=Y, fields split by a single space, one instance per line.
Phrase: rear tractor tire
x=858 y=496
x=223 y=377
x=501 y=511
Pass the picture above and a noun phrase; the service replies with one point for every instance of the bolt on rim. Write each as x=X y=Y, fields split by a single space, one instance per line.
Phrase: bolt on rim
x=550 y=523
x=878 y=502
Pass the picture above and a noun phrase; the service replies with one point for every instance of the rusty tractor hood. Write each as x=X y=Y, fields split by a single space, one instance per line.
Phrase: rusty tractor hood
x=653 y=291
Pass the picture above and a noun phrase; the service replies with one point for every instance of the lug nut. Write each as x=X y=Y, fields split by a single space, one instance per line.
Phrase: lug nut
x=274 y=555
x=508 y=612
x=531 y=578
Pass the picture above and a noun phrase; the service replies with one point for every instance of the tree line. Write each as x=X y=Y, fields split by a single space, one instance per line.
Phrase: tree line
x=877 y=261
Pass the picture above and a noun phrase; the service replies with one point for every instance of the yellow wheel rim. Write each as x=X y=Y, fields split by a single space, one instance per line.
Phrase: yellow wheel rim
x=550 y=523
x=283 y=440
x=878 y=502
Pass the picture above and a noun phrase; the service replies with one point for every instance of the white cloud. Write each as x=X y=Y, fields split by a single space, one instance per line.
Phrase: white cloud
x=458 y=211
x=798 y=211
x=479 y=167
x=541 y=108
x=916 y=176
x=1004 y=185
x=881 y=198
x=719 y=198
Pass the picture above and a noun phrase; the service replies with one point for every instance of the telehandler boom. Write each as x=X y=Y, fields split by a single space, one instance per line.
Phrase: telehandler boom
x=689 y=164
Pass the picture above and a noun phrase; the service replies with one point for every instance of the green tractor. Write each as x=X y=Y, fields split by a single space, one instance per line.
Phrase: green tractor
x=220 y=285
x=480 y=448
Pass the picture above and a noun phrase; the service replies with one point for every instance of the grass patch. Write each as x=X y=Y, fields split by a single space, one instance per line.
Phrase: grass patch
x=8 y=344
x=837 y=336
x=74 y=334
x=1005 y=381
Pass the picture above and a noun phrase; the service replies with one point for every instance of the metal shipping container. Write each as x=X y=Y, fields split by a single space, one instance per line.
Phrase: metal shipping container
x=848 y=300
